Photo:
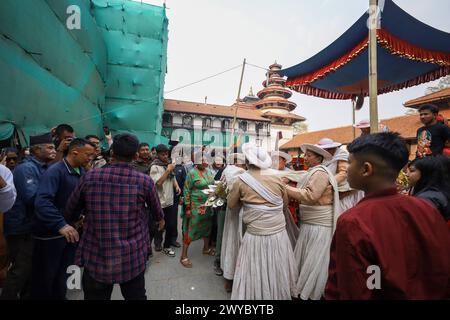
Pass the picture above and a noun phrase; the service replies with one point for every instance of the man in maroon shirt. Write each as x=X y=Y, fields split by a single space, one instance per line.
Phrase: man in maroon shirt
x=389 y=246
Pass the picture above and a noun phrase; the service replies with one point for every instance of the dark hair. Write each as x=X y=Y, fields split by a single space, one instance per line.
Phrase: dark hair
x=143 y=144
x=92 y=136
x=11 y=149
x=125 y=146
x=63 y=128
x=434 y=174
x=78 y=143
x=162 y=148
x=388 y=147
x=434 y=109
x=153 y=149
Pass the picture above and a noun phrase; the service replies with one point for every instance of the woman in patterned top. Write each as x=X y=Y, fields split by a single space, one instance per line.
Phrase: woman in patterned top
x=196 y=218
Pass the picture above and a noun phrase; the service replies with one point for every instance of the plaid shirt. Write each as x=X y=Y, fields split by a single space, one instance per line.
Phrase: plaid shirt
x=115 y=201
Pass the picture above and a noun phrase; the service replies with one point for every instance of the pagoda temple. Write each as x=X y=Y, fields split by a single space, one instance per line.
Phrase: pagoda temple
x=274 y=104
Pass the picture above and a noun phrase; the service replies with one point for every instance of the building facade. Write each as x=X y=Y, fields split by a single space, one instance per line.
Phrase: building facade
x=197 y=124
x=265 y=120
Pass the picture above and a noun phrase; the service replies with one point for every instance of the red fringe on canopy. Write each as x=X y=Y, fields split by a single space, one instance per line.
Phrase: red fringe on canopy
x=391 y=43
x=431 y=76
x=397 y=46
x=316 y=92
x=427 y=77
x=335 y=65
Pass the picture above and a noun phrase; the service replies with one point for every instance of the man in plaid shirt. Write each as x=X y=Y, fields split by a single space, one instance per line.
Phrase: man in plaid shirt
x=114 y=246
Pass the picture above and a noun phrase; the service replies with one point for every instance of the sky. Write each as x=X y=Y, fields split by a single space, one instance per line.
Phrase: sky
x=207 y=37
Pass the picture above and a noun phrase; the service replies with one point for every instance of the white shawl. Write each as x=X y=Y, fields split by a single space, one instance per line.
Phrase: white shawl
x=262 y=219
x=319 y=215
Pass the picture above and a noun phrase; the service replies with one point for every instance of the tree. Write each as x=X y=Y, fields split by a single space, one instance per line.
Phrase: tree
x=300 y=127
x=443 y=84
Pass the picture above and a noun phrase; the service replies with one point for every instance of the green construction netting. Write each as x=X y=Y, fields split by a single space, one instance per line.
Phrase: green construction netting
x=110 y=72
x=135 y=35
x=6 y=131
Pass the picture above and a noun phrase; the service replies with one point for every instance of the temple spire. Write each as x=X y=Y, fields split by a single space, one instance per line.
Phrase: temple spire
x=274 y=97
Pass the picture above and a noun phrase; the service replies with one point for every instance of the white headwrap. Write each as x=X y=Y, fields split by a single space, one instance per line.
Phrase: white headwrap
x=257 y=156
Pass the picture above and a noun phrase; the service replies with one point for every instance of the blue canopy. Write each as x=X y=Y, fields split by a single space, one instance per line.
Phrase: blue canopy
x=409 y=53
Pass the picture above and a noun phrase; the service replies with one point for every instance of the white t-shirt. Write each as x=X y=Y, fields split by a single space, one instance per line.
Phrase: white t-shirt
x=165 y=193
x=7 y=194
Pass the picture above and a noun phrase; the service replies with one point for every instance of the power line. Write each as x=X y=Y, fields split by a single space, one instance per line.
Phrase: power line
x=201 y=80
x=256 y=66
x=157 y=96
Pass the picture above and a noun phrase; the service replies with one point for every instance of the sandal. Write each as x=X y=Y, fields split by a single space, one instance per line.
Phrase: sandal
x=209 y=252
x=186 y=262
x=228 y=285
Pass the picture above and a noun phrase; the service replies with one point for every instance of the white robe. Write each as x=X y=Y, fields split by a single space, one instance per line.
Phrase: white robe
x=231 y=237
x=265 y=268
x=312 y=251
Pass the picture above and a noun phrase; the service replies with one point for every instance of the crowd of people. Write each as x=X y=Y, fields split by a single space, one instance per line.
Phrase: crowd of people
x=280 y=234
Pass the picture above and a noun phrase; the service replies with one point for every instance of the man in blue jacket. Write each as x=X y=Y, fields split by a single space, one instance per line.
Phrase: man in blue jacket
x=55 y=238
x=18 y=220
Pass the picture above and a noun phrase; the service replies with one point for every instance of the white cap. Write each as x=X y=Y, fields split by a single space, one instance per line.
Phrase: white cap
x=257 y=156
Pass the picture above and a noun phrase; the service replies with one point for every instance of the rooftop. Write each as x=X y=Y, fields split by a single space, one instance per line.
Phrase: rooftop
x=405 y=125
x=292 y=116
x=434 y=97
x=212 y=110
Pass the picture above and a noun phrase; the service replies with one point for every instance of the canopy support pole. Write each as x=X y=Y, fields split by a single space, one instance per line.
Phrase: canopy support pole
x=373 y=76
x=354 y=117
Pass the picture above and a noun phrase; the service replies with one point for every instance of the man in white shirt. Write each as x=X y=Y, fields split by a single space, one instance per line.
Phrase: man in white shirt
x=7 y=198
x=162 y=173
x=7 y=190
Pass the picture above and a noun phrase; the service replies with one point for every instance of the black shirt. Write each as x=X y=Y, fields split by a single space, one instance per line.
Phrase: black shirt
x=431 y=139
x=219 y=173
x=438 y=199
x=180 y=175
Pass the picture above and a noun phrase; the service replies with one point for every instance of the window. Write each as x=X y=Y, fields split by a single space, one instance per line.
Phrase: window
x=167 y=119
x=259 y=142
x=165 y=133
x=187 y=121
x=207 y=123
x=243 y=126
x=259 y=127
x=225 y=124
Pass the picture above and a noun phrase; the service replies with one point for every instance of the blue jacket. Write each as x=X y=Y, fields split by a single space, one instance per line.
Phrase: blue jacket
x=18 y=220
x=55 y=188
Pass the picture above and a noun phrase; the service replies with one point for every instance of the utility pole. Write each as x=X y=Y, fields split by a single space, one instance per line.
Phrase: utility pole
x=373 y=76
x=237 y=104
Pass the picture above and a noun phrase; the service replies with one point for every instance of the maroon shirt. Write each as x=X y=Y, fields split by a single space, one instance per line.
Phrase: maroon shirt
x=405 y=236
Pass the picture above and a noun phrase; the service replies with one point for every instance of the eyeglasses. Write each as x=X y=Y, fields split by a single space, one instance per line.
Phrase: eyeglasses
x=11 y=158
